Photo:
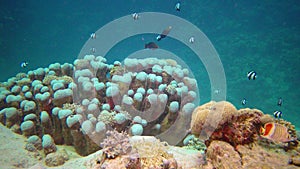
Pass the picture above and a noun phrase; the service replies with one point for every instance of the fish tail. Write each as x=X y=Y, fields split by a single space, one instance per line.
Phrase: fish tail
x=167 y=31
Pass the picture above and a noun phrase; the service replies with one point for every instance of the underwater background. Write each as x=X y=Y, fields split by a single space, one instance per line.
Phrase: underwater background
x=263 y=36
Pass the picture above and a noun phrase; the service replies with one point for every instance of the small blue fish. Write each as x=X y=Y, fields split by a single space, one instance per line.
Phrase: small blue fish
x=244 y=101
x=24 y=64
x=277 y=114
x=280 y=101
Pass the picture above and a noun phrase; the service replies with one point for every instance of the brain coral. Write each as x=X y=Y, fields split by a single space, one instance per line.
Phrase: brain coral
x=217 y=110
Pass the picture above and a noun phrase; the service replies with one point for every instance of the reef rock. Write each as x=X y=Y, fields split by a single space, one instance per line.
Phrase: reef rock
x=57 y=158
x=221 y=121
x=256 y=156
x=223 y=156
x=296 y=160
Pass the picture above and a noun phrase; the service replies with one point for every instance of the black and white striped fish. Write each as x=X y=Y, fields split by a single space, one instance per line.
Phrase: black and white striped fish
x=251 y=75
x=277 y=114
x=244 y=101
x=24 y=64
x=177 y=6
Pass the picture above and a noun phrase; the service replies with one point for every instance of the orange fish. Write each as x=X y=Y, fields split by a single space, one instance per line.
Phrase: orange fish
x=275 y=132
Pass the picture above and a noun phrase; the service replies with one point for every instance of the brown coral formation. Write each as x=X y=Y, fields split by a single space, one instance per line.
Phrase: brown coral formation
x=257 y=156
x=266 y=118
x=221 y=121
x=236 y=138
x=222 y=110
x=56 y=159
x=47 y=79
x=223 y=155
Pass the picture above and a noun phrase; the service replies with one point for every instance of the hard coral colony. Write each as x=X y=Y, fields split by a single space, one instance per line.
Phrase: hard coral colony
x=75 y=104
x=92 y=105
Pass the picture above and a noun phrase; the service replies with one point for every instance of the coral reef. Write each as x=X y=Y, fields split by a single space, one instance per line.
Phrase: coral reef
x=222 y=155
x=236 y=136
x=115 y=144
x=234 y=126
x=191 y=142
x=56 y=159
x=77 y=103
x=92 y=105
x=148 y=152
x=48 y=144
x=153 y=153
x=219 y=152
x=257 y=156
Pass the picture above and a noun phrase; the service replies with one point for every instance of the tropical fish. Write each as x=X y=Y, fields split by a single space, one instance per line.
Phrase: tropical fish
x=177 y=6
x=93 y=36
x=244 y=101
x=280 y=101
x=135 y=16
x=151 y=45
x=192 y=39
x=276 y=132
x=24 y=64
x=164 y=33
x=277 y=114
x=251 y=75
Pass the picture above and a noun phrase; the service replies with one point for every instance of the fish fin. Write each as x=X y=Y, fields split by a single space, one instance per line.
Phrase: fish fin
x=293 y=139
